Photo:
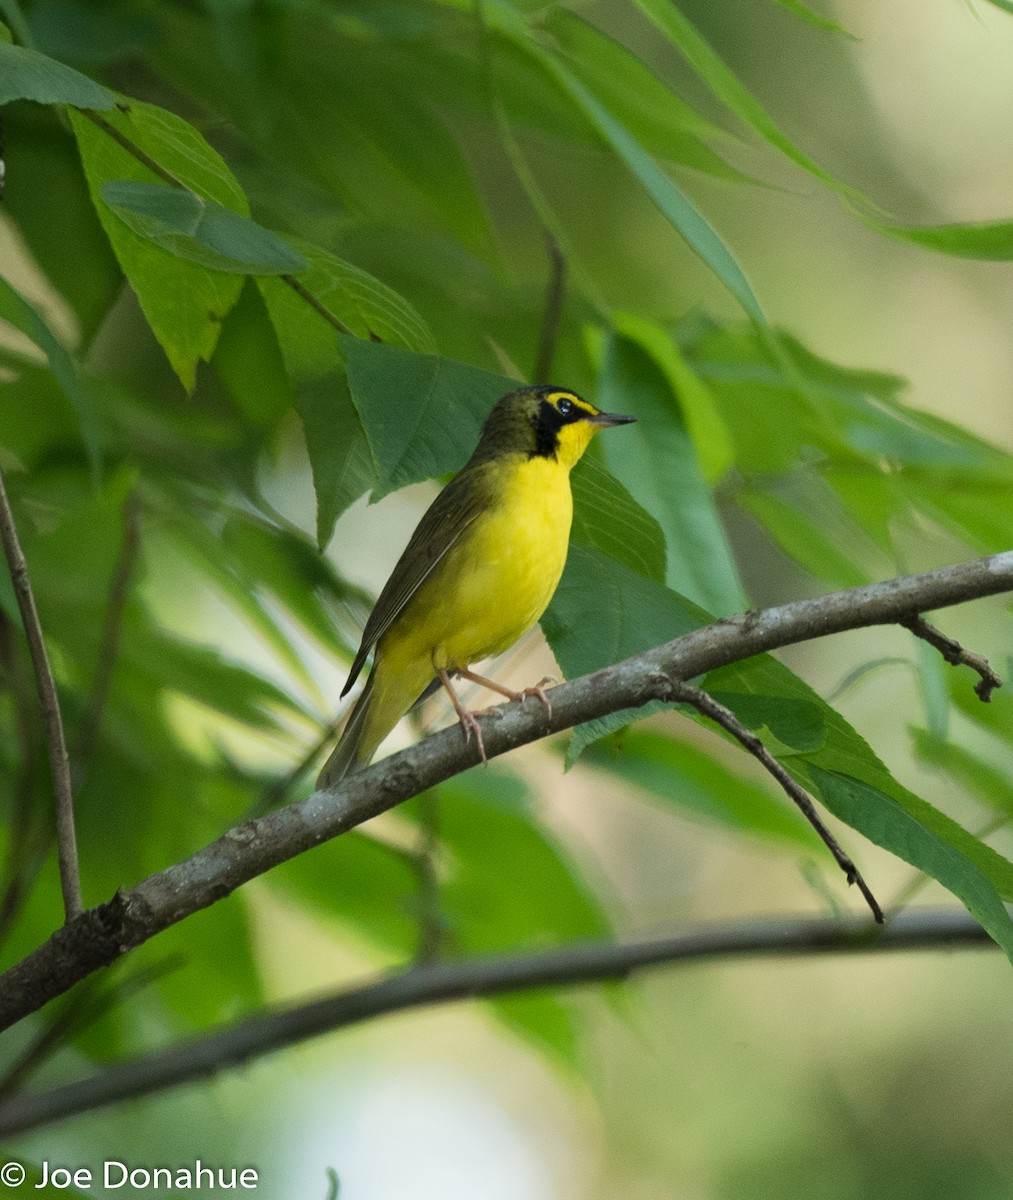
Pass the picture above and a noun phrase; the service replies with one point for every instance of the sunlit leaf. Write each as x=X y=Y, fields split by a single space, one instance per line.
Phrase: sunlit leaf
x=184 y=302
x=363 y=304
x=811 y=17
x=991 y=241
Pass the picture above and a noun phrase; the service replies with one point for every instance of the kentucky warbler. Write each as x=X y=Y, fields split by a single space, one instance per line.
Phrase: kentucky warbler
x=479 y=570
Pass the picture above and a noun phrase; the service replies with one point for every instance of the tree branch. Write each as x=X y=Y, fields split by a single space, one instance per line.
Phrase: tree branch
x=955 y=654
x=23 y=859
x=103 y=934
x=708 y=707
x=56 y=744
x=433 y=983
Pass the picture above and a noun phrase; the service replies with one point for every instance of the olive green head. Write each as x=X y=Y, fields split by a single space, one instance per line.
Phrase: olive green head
x=544 y=421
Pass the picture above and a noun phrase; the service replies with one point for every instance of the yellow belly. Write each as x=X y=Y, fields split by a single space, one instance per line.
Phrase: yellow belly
x=496 y=583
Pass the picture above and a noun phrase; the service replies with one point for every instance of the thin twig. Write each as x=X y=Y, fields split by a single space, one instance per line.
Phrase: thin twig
x=318 y=305
x=707 y=706
x=109 y=645
x=172 y=180
x=56 y=744
x=132 y=148
x=554 y=294
x=466 y=979
x=17 y=873
x=105 y=933
x=955 y=654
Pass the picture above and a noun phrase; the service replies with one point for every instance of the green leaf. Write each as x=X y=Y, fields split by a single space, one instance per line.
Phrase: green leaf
x=603 y=612
x=199 y=230
x=704 y=422
x=687 y=777
x=989 y=784
x=884 y=822
x=492 y=838
x=184 y=302
x=15 y=309
x=218 y=975
x=339 y=453
x=421 y=412
x=28 y=75
x=991 y=241
x=546 y=1020
x=360 y=302
x=811 y=17
x=727 y=88
x=250 y=365
x=283 y=565
x=608 y=519
x=199 y=551
x=660 y=120
x=659 y=464
x=368 y=886
x=798 y=533
x=385 y=150
x=676 y=206
x=204 y=674
x=492 y=834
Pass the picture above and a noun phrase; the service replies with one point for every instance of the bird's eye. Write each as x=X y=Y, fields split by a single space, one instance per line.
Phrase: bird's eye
x=564 y=408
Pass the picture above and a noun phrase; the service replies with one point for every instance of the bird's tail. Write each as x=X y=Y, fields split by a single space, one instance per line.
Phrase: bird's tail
x=384 y=700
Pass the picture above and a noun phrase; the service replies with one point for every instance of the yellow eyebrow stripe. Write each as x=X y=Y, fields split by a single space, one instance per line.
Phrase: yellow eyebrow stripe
x=555 y=397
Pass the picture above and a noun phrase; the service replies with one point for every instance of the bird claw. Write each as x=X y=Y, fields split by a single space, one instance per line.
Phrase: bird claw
x=539 y=690
x=470 y=725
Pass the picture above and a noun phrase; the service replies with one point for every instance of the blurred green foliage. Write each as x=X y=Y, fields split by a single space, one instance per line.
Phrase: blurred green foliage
x=339 y=211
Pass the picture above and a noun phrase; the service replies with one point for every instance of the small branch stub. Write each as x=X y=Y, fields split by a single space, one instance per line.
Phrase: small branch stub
x=708 y=707
x=956 y=655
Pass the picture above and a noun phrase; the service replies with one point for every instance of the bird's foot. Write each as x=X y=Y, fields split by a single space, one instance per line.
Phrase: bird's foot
x=539 y=690
x=469 y=726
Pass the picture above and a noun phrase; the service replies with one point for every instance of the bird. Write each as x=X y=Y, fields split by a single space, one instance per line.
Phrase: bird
x=477 y=573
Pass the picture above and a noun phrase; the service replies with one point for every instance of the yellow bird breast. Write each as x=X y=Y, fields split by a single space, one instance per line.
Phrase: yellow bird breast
x=498 y=580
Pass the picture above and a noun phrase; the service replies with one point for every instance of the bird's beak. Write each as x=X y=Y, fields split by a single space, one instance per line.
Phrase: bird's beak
x=606 y=419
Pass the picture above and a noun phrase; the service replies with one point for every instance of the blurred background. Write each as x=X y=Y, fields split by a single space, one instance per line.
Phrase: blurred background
x=832 y=1078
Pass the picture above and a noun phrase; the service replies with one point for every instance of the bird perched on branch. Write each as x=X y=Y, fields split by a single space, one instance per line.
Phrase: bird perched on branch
x=478 y=572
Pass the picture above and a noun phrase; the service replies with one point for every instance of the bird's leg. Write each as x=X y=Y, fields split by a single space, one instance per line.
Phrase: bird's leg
x=538 y=689
x=468 y=722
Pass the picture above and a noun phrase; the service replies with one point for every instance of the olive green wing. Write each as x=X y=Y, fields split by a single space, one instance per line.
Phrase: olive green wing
x=443 y=525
